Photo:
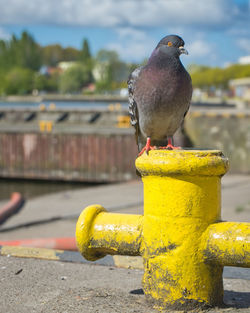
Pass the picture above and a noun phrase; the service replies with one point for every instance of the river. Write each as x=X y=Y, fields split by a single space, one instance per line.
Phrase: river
x=62 y=104
x=33 y=188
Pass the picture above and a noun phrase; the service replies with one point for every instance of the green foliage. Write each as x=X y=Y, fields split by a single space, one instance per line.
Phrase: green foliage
x=21 y=58
x=107 y=56
x=113 y=72
x=18 y=81
x=205 y=77
x=74 y=79
x=28 y=52
x=52 y=82
x=23 y=52
x=86 y=59
x=85 y=55
x=53 y=54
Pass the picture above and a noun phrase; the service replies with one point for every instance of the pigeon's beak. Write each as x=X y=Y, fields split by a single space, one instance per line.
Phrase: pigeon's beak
x=182 y=50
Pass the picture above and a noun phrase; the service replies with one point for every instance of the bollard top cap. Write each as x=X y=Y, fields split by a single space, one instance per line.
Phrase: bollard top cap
x=182 y=162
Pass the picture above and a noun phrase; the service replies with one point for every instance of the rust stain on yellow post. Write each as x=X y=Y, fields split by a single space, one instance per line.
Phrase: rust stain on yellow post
x=183 y=243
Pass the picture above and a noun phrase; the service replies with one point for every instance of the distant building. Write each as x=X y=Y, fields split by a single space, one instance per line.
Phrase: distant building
x=90 y=88
x=65 y=65
x=240 y=88
x=49 y=70
x=244 y=60
x=100 y=71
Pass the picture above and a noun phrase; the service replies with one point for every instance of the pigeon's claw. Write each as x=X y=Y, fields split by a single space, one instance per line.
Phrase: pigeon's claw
x=170 y=145
x=147 y=147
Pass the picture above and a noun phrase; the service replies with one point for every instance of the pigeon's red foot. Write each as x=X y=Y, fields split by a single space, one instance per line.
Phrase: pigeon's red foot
x=147 y=148
x=170 y=145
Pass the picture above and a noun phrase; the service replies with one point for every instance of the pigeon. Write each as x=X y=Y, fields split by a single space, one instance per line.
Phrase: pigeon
x=159 y=95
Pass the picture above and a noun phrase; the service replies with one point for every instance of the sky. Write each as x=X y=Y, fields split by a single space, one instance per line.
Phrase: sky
x=216 y=32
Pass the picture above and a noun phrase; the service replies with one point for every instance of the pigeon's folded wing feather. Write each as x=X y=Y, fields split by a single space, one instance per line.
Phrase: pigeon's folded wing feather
x=132 y=109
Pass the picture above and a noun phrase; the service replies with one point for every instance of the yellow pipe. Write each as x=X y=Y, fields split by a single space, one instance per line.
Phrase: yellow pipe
x=180 y=237
x=227 y=244
x=99 y=233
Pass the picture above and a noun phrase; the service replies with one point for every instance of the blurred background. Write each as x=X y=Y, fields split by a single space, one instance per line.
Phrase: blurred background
x=64 y=123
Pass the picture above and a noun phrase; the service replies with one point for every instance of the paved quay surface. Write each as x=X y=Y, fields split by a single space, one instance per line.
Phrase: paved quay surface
x=55 y=215
x=41 y=286
x=35 y=285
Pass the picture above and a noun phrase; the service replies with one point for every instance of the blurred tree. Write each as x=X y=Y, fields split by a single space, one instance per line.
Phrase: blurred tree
x=74 y=79
x=23 y=52
x=86 y=59
x=85 y=54
x=106 y=56
x=18 y=81
x=70 y=54
x=205 y=77
x=53 y=54
x=52 y=82
x=27 y=52
x=40 y=81
x=110 y=72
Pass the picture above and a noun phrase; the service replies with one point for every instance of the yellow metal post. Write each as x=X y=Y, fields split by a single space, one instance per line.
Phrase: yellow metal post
x=183 y=243
x=181 y=199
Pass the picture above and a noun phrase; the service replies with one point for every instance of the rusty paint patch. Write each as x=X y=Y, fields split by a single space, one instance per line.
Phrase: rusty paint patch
x=77 y=157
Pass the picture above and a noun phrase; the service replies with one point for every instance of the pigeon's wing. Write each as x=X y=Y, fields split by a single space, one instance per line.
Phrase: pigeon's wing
x=132 y=108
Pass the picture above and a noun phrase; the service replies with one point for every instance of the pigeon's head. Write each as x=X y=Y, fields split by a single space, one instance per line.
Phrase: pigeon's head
x=172 y=45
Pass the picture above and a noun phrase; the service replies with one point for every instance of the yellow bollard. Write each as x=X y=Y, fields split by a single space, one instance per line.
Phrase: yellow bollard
x=49 y=126
x=46 y=126
x=183 y=243
x=42 y=107
x=42 y=126
x=52 y=106
x=123 y=121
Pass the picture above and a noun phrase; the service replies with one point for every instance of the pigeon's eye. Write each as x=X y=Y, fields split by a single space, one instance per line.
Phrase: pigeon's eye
x=170 y=44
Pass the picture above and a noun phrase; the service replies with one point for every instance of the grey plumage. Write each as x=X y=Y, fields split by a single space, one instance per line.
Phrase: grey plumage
x=159 y=93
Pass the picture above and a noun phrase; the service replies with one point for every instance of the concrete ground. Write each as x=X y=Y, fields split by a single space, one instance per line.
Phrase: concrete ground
x=28 y=285
x=40 y=286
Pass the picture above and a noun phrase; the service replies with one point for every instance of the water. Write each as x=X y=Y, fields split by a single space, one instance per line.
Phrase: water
x=62 y=104
x=33 y=188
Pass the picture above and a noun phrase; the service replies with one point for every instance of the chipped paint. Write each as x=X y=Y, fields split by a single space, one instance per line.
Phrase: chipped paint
x=29 y=145
x=180 y=237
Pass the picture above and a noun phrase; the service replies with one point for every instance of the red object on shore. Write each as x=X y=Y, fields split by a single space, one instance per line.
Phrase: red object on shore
x=12 y=207
x=67 y=243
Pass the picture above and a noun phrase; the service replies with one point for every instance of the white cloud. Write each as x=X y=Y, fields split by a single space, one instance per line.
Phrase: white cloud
x=133 y=44
x=115 y=13
x=3 y=34
x=200 y=48
x=131 y=33
x=244 y=44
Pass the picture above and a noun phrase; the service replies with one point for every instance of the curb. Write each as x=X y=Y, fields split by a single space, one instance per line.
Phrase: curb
x=119 y=261
x=69 y=256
